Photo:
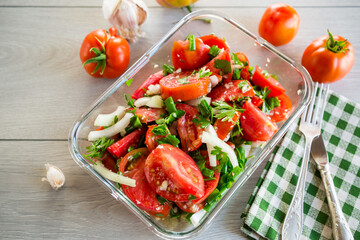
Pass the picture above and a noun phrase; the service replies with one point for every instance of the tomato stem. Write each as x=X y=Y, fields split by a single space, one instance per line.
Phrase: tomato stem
x=100 y=58
x=335 y=46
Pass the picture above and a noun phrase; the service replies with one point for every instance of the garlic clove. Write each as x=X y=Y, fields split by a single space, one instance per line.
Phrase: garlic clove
x=54 y=176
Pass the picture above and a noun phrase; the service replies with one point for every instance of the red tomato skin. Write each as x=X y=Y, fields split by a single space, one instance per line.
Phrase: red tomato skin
x=151 y=80
x=256 y=101
x=223 y=128
x=142 y=195
x=244 y=74
x=242 y=57
x=190 y=134
x=275 y=87
x=229 y=92
x=190 y=206
x=185 y=59
x=324 y=65
x=120 y=148
x=108 y=161
x=147 y=115
x=282 y=112
x=182 y=175
x=212 y=40
x=150 y=138
x=256 y=124
x=279 y=24
x=224 y=55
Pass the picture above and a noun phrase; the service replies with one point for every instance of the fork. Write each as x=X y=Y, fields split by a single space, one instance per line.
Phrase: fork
x=310 y=127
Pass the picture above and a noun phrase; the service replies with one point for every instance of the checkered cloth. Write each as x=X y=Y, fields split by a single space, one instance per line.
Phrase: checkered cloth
x=272 y=196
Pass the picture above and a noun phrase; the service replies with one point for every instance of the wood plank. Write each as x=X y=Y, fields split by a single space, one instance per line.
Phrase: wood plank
x=31 y=209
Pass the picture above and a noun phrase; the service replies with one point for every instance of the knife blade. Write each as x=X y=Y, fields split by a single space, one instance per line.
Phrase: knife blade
x=318 y=151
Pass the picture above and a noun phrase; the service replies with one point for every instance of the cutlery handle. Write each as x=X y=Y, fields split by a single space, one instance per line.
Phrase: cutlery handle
x=341 y=230
x=293 y=223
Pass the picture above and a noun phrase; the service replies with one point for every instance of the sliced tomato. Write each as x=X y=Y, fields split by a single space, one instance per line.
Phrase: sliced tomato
x=256 y=101
x=142 y=195
x=212 y=40
x=267 y=81
x=223 y=55
x=108 y=161
x=282 y=112
x=173 y=174
x=185 y=59
x=190 y=206
x=256 y=125
x=242 y=57
x=151 y=80
x=223 y=128
x=190 y=134
x=151 y=139
x=120 y=148
x=147 y=115
x=230 y=91
x=183 y=86
x=244 y=74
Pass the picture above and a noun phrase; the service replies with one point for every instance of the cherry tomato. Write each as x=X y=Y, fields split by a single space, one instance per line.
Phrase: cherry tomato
x=142 y=195
x=105 y=55
x=223 y=128
x=185 y=59
x=230 y=91
x=173 y=174
x=256 y=101
x=259 y=78
x=151 y=80
x=279 y=24
x=244 y=74
x=147 y=115
x=212 y=40
x=120 y=148
x=281 y=113
x=256 y=124
x=183 y=86
x=150 y=138
x=223 y=56
x=242 y=57
x=329 y=58
x=190 y=134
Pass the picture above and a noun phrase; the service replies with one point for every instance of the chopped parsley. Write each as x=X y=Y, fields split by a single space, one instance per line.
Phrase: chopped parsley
x=169 y=139
x=135 y=123
x=167 y=69
x=183 y=80
x=269 y=103
x=204 y=73
x=224 y=65
x=192 y=44
x=160 y=130
x=225 y=111
x=130 y=101
x=236 y=74
x=96 y=150
x=191 y=197
x=244 y=86
x=236 y=61
x=129 y=81
x=214 y=51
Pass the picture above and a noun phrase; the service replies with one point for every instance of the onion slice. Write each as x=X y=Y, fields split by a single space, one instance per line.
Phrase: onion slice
x=108 y=119
x=153 y=102
x=196 y=217
x=106 y=173
x=195 y=102
x=212 y=158
x=119 y=127
x=215 y=141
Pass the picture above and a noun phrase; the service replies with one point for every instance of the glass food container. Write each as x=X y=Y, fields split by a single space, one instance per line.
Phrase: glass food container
x=290 y=74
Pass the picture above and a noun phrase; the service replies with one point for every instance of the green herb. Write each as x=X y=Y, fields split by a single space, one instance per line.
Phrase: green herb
x=169 y=139
x=244 y=86
x=188 y=216
x=225 y=111
x=236 y=74
x=183 y=80
x=236 y=61
x=131 y=148
x=175 y=212
x=273 y=102
x=141 y=143
x=136 y=155
x=208 y=173
x=203 y=73
x=196 y=155
x=191 y=197
x=170 y=105
x=134 y=124
x=206 y=115
x=116 y=119
x=160 y=130
x=171 y=118
x=192 y=45
x=265 y=73
x=240 y=154
x=129 y=81
x=224 y=65
x=167 y=69
x=269 y=103
x=96 y=150
x=274 y=76
x=159 y=215
x=130 y=101
x=214 y=51
x=162 y=200
x=202 y=121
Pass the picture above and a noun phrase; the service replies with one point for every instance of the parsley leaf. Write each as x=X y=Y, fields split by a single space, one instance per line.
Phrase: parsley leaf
x=192 y=197
x=129 y=81
x=214 y=51
x=206 y=115
x=134 y=124
x=236 y=61
x=225 y=111
x=170 y=139
x=244 y=86
x=204 y=72
x=202 y=121
x=160 y=130
x=96 y=150
x=167 y=69
x=130 y=101
x=223 y=65
x=183 y=80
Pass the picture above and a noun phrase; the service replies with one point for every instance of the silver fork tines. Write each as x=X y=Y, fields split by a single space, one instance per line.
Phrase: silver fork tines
x=310 y=126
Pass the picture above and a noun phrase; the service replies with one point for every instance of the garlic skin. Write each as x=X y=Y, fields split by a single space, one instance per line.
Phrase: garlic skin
x=126 y=16
x=54 y=176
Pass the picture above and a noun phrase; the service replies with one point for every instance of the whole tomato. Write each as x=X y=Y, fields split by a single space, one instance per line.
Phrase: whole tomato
x=279 y=24
x=105 y=54
x=175 y=3
x=328 y=58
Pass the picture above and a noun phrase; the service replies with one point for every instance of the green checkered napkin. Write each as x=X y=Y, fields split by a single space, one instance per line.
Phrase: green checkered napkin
x=271 y=198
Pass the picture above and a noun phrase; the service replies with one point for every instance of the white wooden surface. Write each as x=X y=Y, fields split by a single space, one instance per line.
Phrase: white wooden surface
x=43 y=89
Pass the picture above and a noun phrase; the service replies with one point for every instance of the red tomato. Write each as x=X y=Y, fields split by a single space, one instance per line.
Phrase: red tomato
x=150 y=139
x=242 y=57
x=212 y=40
x=279 y=24
x=147 y=115
x=256 y=124
x=190 y=134
x=108 y=161
x=230 y=91
x=283 y=111
x=185 y=59
x=183 y=86
x=120 y=148
x=142 y=195
x=256 y=101
x=224 y=55
x=111 y=50
x=190 y=206
x=267 y=81
x=223 y=128
x=325 y=65
x=151 y=80
x=244 y=74
x=173 y=174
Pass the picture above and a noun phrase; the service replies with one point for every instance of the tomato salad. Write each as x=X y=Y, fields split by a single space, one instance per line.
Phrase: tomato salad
x=187 y=131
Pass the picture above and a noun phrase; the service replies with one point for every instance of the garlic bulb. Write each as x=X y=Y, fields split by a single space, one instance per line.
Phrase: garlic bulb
x=126 y=16
x=54 y=176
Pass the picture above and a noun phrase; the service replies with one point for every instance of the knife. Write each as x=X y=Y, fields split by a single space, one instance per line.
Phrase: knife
x=341 y=230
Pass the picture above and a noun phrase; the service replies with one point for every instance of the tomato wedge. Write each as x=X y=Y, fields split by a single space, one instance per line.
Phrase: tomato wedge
x=242 y=57
x=108 y=161
x=120 y=148
x=151 y=80
x=212 y=40
x=150 y=138
x=190 y=206
x=244 y=74
x=256 y=125
x=183 y=86
x=223 y=56
x=190 y=134
x=223 y=128
x=267 y=81
x=173 y=174
x=142 y=195
x=281 y=113
x=256 y=101
x=230 y=91
x=147 y=115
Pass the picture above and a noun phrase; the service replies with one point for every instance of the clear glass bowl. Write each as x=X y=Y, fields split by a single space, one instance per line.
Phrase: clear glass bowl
x=292 y=76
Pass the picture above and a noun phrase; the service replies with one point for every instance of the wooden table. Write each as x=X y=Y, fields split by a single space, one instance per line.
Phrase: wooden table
x=43 y=89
